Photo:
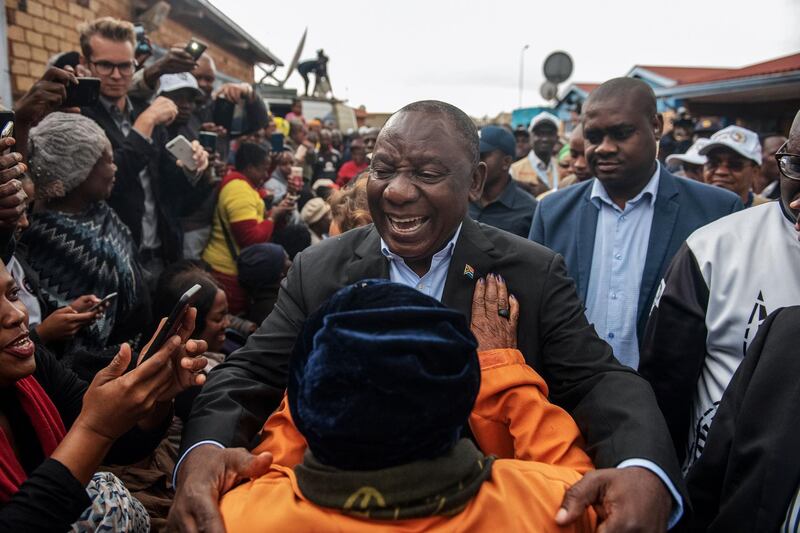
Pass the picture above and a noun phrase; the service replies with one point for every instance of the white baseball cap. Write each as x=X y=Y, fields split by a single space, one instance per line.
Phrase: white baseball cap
x=544 y=116
x=173 y=82
x=692 y=155
x=741 y=140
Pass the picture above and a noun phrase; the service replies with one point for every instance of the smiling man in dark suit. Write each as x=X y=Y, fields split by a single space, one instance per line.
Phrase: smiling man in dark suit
x=424 y=171
x=619 y=231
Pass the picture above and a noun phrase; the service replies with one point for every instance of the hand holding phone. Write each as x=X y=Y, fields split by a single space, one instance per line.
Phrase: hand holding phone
x=182 y=149
x=103 y=303
x=195 y=48
x=170 y=327
x=85 y=93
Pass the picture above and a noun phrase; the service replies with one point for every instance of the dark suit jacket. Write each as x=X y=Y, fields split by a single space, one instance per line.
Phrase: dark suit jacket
x=131 y=155
x=748 y=472
x=566 y=222
x=613 y=406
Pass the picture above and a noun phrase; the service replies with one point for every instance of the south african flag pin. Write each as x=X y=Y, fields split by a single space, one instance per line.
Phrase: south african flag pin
x=469 y=272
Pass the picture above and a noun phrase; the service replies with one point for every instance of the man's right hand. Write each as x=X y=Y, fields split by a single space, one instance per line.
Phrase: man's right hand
x=161 y=112
x=46 y=95
x=205 y=474
x=175 y=61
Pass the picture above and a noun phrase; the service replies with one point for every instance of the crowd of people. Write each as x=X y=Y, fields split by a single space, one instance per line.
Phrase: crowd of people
x=422 y=327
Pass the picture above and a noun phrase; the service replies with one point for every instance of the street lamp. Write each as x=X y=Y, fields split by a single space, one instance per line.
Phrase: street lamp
x=521 y=71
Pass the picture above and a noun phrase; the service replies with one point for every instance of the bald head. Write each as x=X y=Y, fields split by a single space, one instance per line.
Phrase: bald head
x=629 y=92
x=206 y=74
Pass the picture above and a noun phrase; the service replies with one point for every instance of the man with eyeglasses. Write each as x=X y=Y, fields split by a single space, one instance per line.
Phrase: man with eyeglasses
x=733 y=162
x=137 y=135
x=721 y=285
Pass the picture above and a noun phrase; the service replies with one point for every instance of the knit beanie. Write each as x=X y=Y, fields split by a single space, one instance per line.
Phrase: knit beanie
x=62 y=151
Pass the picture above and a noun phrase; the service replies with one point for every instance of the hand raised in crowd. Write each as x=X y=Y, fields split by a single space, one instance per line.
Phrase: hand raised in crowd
x=161 y=112
x=65 y=322
x=235 y=92
x=205 y=474
x=115 y=401
x=490 y=302
x=13 y=200
x=46 y=95
x=280 y=213
x=176 y=60
x=200 y=157
x=186 y=364
x=625 y=499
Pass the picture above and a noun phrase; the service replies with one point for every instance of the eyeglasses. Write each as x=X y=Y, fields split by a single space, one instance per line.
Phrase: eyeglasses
x=105 y=68
x=734 y=165
x=788 y=163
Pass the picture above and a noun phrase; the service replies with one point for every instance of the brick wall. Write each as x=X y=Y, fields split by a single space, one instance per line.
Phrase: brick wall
x=47 y=27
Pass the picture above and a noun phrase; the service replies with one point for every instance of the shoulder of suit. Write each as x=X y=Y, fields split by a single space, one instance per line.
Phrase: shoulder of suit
x=343 y=244
x=568 y=197
x=506 y=244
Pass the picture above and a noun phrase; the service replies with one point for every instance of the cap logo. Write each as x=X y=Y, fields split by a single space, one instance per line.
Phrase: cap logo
x=737 y=136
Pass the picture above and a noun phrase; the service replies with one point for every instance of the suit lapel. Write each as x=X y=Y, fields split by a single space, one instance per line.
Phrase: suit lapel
x=587 y=228
x=665 y=215
x=473 y=249
x=369 y=262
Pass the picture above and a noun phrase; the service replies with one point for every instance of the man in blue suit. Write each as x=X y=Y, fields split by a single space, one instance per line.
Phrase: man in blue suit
x=619 y=231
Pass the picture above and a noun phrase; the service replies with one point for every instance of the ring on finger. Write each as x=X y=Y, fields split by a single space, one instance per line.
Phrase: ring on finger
x=505 y=313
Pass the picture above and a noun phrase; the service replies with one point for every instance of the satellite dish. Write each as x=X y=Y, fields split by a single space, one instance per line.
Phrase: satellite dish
x=548 y=90
x=295 y=59
x=558 y=67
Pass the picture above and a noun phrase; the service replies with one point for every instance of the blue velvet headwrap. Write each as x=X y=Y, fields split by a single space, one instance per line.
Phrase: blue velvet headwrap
x=382 y=375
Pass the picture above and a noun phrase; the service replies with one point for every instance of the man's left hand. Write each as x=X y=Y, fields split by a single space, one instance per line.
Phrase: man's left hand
x=625 y=499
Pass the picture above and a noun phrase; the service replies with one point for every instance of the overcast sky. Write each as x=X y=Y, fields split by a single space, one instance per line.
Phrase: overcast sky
x=387 y=53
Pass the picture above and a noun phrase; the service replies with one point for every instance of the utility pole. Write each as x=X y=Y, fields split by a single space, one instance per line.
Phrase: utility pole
x=522 y=72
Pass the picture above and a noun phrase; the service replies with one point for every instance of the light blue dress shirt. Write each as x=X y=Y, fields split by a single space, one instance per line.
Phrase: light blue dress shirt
x=620 y=251
x=432 y=283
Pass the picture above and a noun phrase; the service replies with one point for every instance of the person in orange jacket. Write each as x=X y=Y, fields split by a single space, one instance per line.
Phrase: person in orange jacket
x=382 y=382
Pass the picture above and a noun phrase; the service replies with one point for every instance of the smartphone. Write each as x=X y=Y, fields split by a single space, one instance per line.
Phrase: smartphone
x=105 y=300
x=6 y=124
x=223 y=113
x=142 y=46
x=181 y=148
x=195 y=48
x=208 y=140
x=277 y=142
x=173 y=320
x=86 y=93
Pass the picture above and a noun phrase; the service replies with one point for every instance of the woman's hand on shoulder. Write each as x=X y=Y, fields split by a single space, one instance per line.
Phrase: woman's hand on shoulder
x=495 y=314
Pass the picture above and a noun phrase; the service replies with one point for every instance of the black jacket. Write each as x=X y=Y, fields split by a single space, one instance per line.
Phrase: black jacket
x=131 y=155
x=614 y=407
x=51 y=498
x=748 y=472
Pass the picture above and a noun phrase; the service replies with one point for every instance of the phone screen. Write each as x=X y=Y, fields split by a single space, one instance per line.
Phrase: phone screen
x=173 y=321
